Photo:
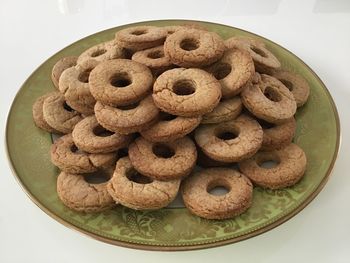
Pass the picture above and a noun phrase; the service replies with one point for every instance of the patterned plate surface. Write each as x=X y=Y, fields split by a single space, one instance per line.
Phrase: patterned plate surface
x=318 y=133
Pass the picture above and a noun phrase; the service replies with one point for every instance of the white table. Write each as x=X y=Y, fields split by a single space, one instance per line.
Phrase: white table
x=318 y=31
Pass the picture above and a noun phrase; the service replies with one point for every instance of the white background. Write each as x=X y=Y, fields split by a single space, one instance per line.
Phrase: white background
x=318 y=31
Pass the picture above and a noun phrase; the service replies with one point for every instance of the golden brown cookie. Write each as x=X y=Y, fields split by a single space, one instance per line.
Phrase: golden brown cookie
x=296 y=84
x=193 y=48
x=227 y=109
x=58 y=114
x=233 y=70
x=135 y=191
x=163 y=161
x=186 y=92
x=170 y=127
x=206 y=162
x=289 y=169
x=77 y=193
x=264 y=60
x=60 y=66
x=269 y=100
x=90 y=136
x=230 y=141
x=198 y=199
x=66 y=156
x=120 y=82
x=127 y=119
x=141 y=37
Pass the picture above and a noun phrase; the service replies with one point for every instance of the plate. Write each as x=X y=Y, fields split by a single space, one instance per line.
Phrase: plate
x=318 y=133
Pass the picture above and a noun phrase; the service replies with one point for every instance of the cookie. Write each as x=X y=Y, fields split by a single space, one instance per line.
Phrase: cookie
x=205 y=161
x=90 y=136
x=230 y=141
x=127 y=119
x=66 y=156
x=226 y=110
x=74 y=84
x=264 y=60
x=186 y=92
x=199 y=201
x=60 y=66
x=82 y=196
x=269 y=100
x=170 y=127
x=193 y=48
x=163 y=161
x=233 y=70
x=120 y=82
x=141 y=37
x=38 y=115
x=291 y=166
x=172 y=29
x=296 y=84
x=135 y=191
x=58 y=114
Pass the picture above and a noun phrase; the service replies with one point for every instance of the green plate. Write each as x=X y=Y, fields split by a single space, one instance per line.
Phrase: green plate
x=318 y=133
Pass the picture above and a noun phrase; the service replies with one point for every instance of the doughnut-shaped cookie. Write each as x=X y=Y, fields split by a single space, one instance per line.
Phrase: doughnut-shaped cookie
x=186 y=92
x=120 y=82
x=206 y=162
x=170 y=127
x=230 y=141
x=163 y=161
x=193 y=48
x=66 y=156
x=269 y=100
x=90 y=136
x=291 y=166
x=60 y=66
x=135 y=191
x=264 y=60
x=58 y=114
x=296 y=84
x=233 y=70
x=197 y=198
x=141 y=37
x=226 y=110
x=80 y=195
x=38 y=115
x=277 y=136
x=127 y=119
x=74 y=84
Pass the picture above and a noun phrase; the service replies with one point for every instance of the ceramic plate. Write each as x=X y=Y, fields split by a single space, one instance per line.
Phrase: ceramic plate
x=173 y=228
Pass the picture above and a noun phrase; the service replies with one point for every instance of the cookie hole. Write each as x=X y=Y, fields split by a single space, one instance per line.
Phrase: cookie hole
x=259 y=51
x=74 y=149
x=84 y=76
x=138 y=32
x=120 y=80
x=184 y=87
x=265 y=125
x=166 y=116
x=136 y=177
x=123 y=152
x=189 y=44
x=66 y=107
x=162 y=150
x=98 y=53
x=269 y=164
x=129 y=107
x=155 y=54
x=268 y=161
x=218 y=187
x=98 y=177
x=227 y=135
x=222 y=70
x=272 y=94
x=288 y=84
x=102 y=132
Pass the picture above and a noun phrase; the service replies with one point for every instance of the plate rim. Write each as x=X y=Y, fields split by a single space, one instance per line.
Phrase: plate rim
x=180 y=247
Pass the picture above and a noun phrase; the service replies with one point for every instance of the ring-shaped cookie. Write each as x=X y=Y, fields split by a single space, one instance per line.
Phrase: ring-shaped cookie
x=66 y=156
x=190 y=47
x=127 y=119
x=132 y=190
x=60 y=66
x=226 y=110
x=269 y=100
x=198 y=199
x=291 y=166
x=233 y=70
x=230 y=141
x=90 y=136
x=163 y=161
x=120 y=82
x=186 y=92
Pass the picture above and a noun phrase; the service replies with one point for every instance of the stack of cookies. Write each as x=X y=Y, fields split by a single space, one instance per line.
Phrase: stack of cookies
x=139 y=113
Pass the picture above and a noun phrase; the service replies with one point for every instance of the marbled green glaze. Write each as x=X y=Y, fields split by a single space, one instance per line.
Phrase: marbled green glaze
x=173 y=228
